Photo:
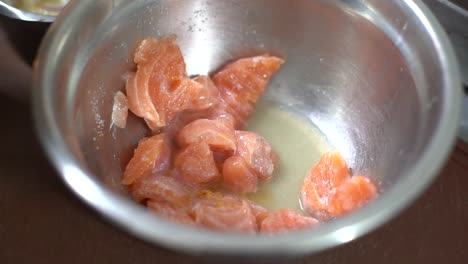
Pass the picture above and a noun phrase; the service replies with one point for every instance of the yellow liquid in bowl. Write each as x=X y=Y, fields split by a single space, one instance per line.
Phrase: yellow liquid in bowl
x=298 y=144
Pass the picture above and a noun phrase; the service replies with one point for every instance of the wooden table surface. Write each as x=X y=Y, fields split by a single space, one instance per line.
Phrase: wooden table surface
x=42 y=222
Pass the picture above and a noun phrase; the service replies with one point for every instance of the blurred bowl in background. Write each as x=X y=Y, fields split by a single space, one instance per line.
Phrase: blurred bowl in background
x=32 y=10
x=26 y=28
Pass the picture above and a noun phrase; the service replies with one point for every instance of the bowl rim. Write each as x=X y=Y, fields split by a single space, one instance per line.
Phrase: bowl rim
x=123 y=212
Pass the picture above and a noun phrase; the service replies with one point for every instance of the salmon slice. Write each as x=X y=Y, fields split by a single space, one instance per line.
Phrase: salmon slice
x=257 y=153
x=352 y=194
x=190 y=95
x=152 y=155
x=209 y=96
x=160 y=88
x=170 y=212
x=139 y=101
x=220 y=158
x=215 y=133
x=183 y=119
x=119 y=110
x=180 y=121
x=218 y=113
x=225 y=213
x=238 y=177
x=260 y=212
x=243 y=81
x=239 y=111
x=196 y=164
x=160 y=66
x=321 y=183
x=285 y=220
x=139 y=92
x=161 y=188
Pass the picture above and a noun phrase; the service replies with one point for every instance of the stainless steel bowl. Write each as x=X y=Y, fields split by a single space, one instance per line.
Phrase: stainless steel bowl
x=378 y=78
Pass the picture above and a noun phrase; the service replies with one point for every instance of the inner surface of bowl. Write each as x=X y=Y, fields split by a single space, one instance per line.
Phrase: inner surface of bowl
x=367 y=74
x=342 y=73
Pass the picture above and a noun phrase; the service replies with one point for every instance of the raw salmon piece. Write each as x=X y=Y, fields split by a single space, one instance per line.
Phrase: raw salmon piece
x=189 y=95
x=164 y=62
x=120 y=110
x=180 y=121
x=239 y=111
x=196 y=163
x=257 y=153
x=217 y=113
x=285 y=220
x=170 y=212
x=238 y=177
x=225 y=213
x=152 y=155
x=321 y=182
x=260 y=212
x=352 y=194
x=247 y=77
x=161 y=188
x=215 y=133
x=139 y=100
x=171 y=90
x=160 y=88
x=209 y=96
x=159 y=65
x=243 y=81
x=220 y=158
x=212 y=113
x=161 y=68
